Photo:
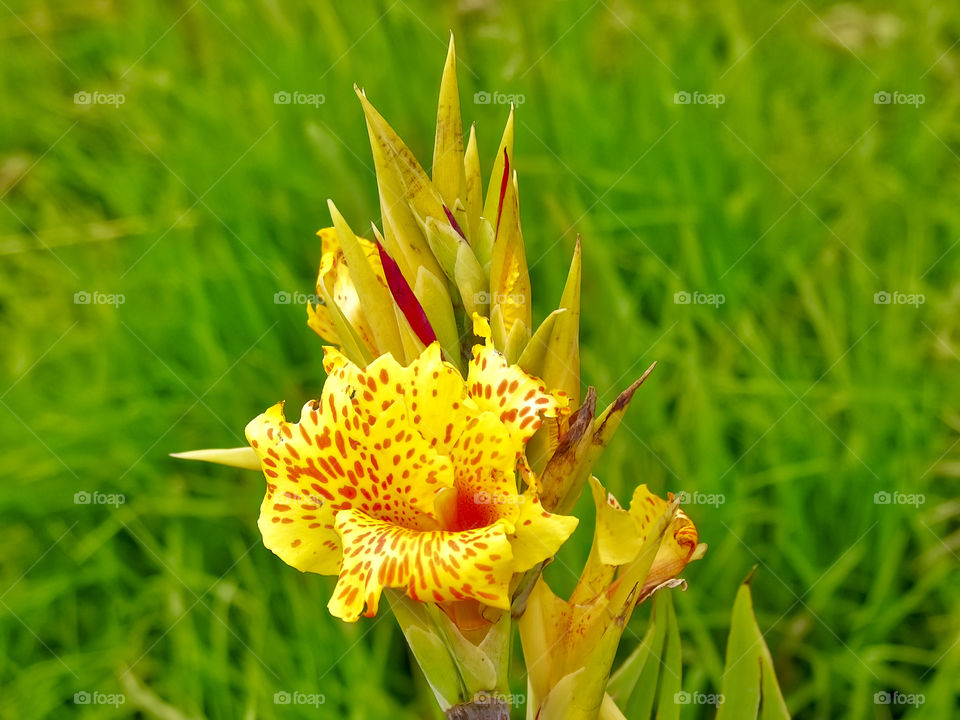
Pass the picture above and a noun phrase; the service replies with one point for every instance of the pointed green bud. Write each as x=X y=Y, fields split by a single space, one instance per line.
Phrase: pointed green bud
x=405 y=193
x=533 y=357
x=374 y=296
x=449 y=176
x=509 y=278
x=483 y=244
x=444 y=242
x=491 y=202
x=474 y=185
x=561 y=369
x=433 y=296
x=471 y=281
x=517 y=340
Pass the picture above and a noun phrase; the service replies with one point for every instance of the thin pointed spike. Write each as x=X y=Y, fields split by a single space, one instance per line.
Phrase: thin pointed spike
x=448 y=173
x=242 y=457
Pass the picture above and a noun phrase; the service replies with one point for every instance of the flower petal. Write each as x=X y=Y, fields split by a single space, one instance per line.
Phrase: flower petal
x=621 y=534
x=538 y=534
x=485 y=473
x=436 y=399
x=518 y=399
x=438 y=566
x=334 y=280
x=347 y=451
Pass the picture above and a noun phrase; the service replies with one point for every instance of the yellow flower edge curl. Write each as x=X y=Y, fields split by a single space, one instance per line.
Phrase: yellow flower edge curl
x=405 y=477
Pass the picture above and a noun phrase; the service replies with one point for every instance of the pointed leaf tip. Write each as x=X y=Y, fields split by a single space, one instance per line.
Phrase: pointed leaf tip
x=242 y=457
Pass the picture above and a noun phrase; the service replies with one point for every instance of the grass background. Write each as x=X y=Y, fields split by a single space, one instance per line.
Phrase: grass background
x=797 y=399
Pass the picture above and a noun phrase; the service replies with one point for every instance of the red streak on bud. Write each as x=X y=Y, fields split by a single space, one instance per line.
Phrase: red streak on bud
x=503 y=186
x=409 y=305
x=453 y=222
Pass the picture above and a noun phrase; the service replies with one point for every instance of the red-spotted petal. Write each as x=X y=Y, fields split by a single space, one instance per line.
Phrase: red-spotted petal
x=437 y=566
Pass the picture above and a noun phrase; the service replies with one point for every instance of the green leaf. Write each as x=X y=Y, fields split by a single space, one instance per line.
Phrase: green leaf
x=750 y=688
x=634 y=685
x=668 y=707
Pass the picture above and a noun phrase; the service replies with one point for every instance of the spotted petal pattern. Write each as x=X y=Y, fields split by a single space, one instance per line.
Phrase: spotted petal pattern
x=406 y=477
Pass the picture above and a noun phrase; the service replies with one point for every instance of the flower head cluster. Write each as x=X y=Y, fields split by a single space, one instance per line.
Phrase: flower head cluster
x=450 y=443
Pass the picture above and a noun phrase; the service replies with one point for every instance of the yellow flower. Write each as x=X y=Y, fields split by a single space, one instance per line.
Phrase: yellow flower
x=406 y=477
x=335 y=282
x=570 y=645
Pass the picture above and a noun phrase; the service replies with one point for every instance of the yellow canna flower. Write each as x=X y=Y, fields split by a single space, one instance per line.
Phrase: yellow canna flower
x=570 y=645
x=444 y=474
x=406 y=477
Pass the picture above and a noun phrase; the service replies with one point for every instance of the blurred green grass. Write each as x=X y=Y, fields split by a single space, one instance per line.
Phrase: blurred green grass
x=797 y=399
